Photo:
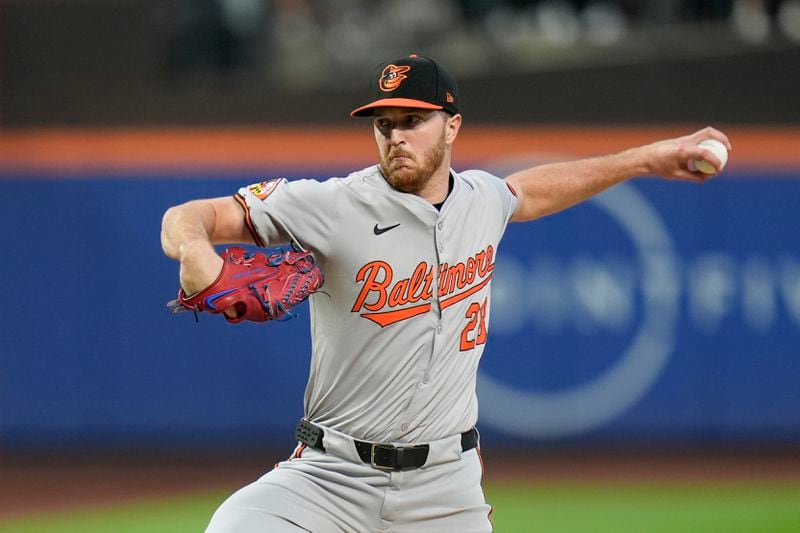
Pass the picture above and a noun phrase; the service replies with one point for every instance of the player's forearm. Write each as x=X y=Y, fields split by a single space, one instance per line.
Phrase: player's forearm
x=550 y=188
x=186 y=227
x=186 y=236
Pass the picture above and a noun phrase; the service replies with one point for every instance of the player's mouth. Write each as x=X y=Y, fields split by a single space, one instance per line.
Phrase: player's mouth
x=400 y=159
x=399 y=155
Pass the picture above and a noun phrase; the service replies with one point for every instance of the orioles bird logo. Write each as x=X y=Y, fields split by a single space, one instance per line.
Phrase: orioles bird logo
x=392 y=76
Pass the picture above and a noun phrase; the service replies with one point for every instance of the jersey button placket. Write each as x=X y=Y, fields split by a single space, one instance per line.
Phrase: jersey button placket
x=439 y=239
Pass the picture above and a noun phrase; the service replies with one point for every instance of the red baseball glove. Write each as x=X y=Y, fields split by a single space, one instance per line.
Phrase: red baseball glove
x=256 y=286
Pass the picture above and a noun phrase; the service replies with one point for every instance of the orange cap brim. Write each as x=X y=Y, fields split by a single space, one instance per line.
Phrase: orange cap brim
x=365 y=111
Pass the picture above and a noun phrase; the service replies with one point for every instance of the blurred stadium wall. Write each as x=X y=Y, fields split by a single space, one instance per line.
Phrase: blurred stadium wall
x=153 y=62
x=658 y=315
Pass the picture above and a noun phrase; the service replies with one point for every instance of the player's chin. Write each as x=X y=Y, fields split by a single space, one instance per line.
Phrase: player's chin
x=404 y=179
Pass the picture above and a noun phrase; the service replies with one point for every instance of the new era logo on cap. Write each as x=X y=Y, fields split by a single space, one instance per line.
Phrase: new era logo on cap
x=415 y=82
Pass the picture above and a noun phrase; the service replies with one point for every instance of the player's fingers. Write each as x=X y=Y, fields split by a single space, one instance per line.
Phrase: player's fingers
x=711 y=133
x=688 y=175
x=706 y=153
x=721 y=137
x=695 y=178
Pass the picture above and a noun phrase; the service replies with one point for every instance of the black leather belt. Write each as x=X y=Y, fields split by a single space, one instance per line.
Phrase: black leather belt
x=381 y=456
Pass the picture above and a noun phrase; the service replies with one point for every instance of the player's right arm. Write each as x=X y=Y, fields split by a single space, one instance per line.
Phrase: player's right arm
x=550 y=188
x=189 y=231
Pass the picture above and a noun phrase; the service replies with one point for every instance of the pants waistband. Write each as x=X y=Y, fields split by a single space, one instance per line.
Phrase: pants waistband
x=388 y=457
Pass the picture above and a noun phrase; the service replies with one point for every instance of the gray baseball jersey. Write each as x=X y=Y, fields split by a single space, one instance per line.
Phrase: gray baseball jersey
x=398 y=337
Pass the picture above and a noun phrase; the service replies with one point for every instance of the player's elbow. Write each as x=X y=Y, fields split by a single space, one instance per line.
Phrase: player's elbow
x=194 y=221
x=168 y=223
x=177 y=227
x=169 y=216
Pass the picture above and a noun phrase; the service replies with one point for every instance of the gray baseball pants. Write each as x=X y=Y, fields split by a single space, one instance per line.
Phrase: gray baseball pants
x=335 y=491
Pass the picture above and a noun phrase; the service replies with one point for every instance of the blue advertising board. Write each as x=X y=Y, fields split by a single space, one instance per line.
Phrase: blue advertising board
x=655 y=312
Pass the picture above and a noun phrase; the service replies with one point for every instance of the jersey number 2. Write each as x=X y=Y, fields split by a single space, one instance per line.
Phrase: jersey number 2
x=476 y=313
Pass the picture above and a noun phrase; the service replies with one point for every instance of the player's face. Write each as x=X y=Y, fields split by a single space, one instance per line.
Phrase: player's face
x=412 y=144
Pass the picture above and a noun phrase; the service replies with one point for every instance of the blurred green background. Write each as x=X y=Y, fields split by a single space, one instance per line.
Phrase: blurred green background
x=554 y=508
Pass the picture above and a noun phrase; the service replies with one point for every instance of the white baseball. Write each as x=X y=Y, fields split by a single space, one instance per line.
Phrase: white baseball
x=718 y=149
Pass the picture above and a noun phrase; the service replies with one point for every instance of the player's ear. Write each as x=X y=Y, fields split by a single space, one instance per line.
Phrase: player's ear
x=452 y=125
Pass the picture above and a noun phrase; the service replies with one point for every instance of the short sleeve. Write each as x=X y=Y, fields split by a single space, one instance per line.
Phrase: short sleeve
x=509 y=198
x=501 y=197
x=280 y=211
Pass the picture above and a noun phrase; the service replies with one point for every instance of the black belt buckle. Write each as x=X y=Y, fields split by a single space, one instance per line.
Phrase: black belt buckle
x=391 y=458
x=390 y=451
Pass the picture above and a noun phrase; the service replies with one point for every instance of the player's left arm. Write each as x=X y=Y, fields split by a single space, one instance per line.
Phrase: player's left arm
x=549 y=188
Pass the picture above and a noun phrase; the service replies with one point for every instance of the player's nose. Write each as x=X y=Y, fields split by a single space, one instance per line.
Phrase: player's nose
x=396 y=136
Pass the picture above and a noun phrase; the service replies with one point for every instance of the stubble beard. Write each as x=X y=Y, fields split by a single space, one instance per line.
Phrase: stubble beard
x=412 y=179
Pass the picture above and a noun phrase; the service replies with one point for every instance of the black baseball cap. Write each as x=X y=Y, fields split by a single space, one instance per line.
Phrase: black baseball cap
x=414 y=81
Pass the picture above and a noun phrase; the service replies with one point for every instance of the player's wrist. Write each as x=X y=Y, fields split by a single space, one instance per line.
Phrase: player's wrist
x=195 y=250
x=635 y=161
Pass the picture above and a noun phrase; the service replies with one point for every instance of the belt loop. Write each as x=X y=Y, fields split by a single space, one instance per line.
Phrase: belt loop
x=399 y=462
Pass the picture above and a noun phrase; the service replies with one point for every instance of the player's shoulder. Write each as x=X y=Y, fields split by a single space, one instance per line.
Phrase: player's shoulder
x=313 y=186
x=353 y=179
x=359 y=186
x=365 y=176
x=489 y=190
x=476 y=174
x=365 y=184
x=481 y=180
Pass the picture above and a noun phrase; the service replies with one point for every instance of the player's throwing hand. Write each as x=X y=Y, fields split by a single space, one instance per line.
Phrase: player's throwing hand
x=673 y=158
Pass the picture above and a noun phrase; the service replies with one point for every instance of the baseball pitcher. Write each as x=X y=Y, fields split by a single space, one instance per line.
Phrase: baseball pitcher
x=405 y=253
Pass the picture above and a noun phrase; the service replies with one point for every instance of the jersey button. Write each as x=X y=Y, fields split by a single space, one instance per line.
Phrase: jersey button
x=404 y=427
x=440 y=225
x=426 y=378
x=439 y=329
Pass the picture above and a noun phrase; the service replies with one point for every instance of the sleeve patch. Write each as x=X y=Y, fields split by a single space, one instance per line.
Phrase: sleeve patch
x=265 y=188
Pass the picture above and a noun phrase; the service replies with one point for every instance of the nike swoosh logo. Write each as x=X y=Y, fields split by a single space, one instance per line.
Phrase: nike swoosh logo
x=377 y=231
